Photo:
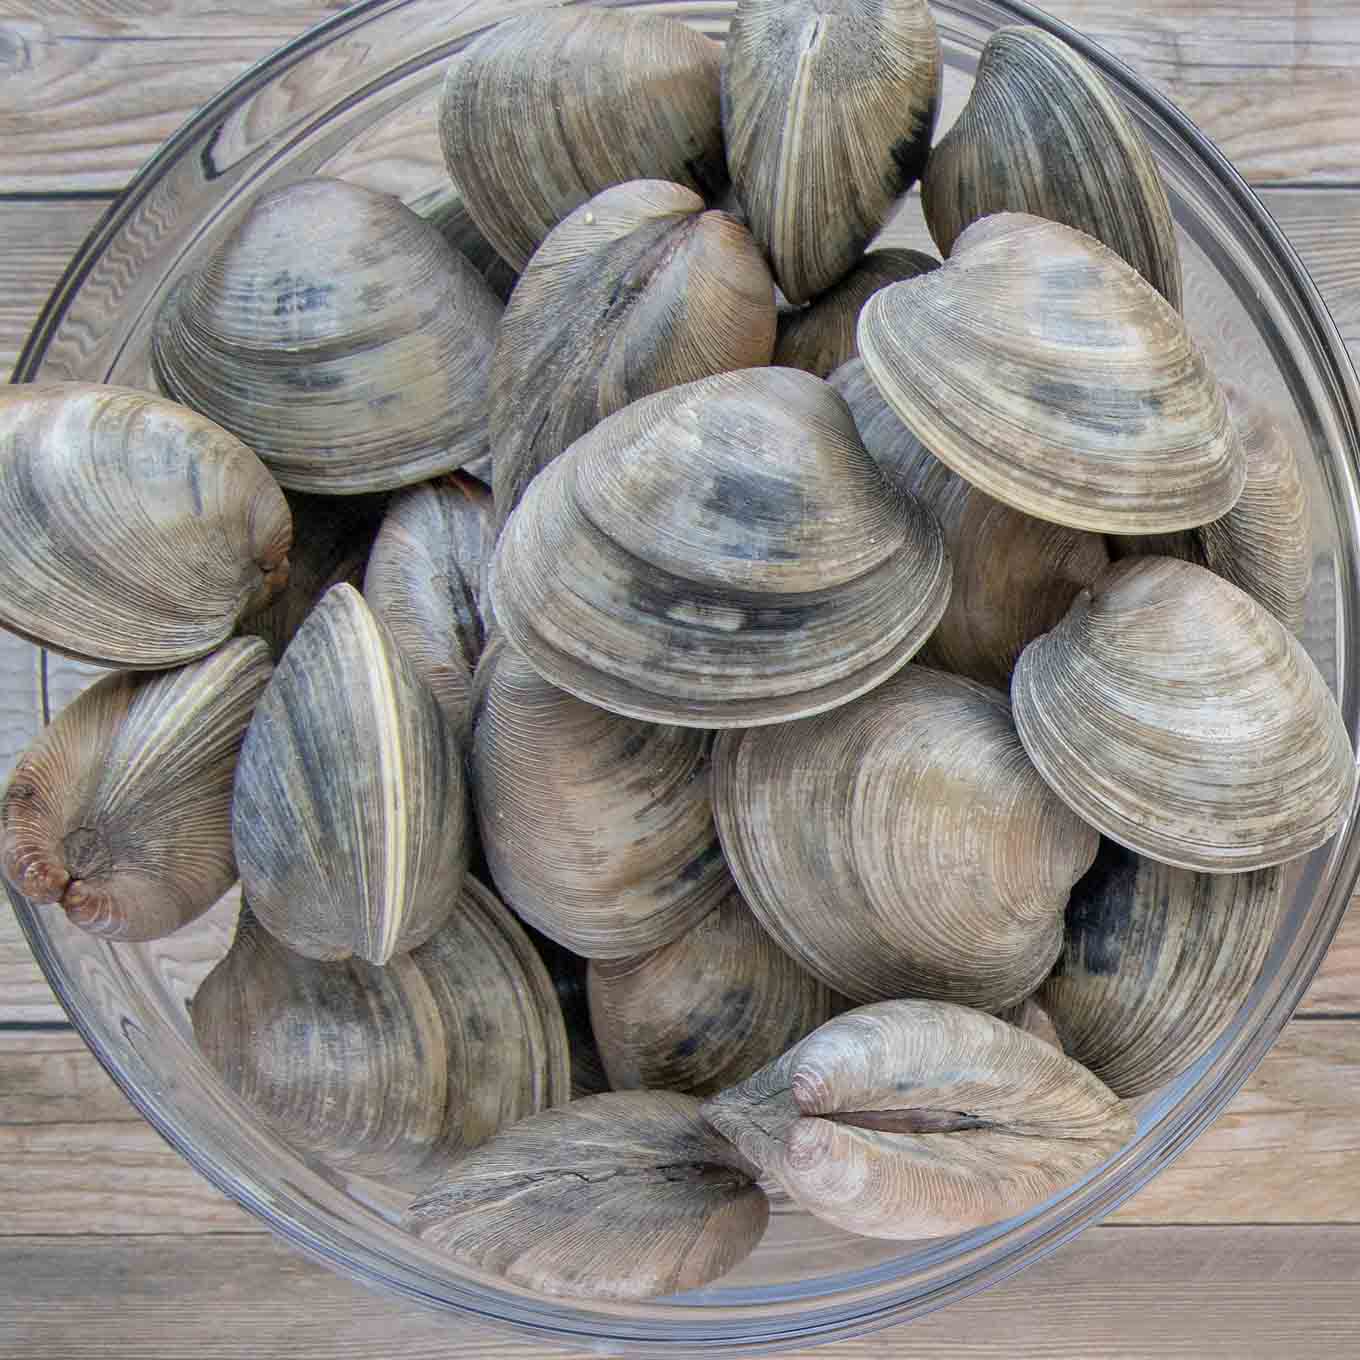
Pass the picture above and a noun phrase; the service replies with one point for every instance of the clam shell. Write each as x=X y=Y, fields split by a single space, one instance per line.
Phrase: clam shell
x=1178 y=717
x=568 y=973
x=445 y=210
x=385 y=1070
x=911 y=1119
x=828 y=110
x=706 y=1010
x=340 y=336
x=638 y=290
x=821 y=337
x=544 y=110
x=1014 y=576
x=426 y=582
x=1043 y=134
x=902 y=845
x=723 y=553
x=598 y=829
x=1031 y=1017
x=350 y=816
x=1156 y=964
x=1047 y=372
x=121 y=810
x=132 y=531
x=619 y=1196
x=1264 y=543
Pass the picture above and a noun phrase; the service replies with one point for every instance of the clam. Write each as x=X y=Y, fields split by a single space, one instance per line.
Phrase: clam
x=544 y=110
x=723 y=553
x=911 y=1119
x=821 y=337
x=132 y=532
x=706 y=1010
x=1179 y=718
x=1031 y=1017
x=1050 y=374
x=425 y=581
x=903 y=845
x=1263 y=544
x=387 y=1070
x=625 y=1195
x=340 y=336
x=638 y=290
x=1014 y=575
x=828 y=110
x=121 y=810
x=1042 y=133
x=598 y=829
x=350 y=817
x=332 y=537
x=568 y=973
x=1156 y=964
x=445 y=210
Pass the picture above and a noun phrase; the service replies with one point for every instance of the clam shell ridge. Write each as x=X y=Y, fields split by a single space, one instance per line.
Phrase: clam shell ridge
x=1014 y=576
x=350 y=810
x=903 y=844
x=624 y=1195
x=1157 y=961
x=340 y=336
x=828 y=111
x=545 y=110
x=1179 y=718
x=706 y=1010
x=1042 y=133
x=911 y=1119
x=598 y=829
x=121 y=810
x=1043 y=369
x=638 y=290
x=723 y=553
x=133 y=532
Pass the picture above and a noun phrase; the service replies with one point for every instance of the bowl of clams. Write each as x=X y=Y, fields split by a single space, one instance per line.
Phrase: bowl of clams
x=689 y=661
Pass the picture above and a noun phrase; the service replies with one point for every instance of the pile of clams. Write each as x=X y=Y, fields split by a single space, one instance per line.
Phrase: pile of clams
x=698 y=711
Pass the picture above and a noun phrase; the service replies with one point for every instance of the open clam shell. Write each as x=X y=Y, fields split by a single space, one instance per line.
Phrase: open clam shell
x=598 y=829
x=1157 y=961
x=340 y=336
x=1177 y=716
x=1049 y=373
x=1042 y=133
x=133 y=532
x=638 y=290
x=828 y=111
x=903 y=845
x=721 y=554
x=544 y=110
x=121 y=810
x=350 y=817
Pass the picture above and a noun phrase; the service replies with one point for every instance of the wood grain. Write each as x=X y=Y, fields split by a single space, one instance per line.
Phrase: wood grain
x=1117 y=1294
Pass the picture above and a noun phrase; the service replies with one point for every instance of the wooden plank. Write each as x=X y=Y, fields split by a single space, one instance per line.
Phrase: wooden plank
x=1324 y=227
x=91 y=90
x=1336 y=987
x=54 y=1079
x=1144 y=1294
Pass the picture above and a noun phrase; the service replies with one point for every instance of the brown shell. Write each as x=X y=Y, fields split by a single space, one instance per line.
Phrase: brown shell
x=626 y=1195
x=706 y=1010
x=544 y=110
x=598 y=829
x=121 y=810
x=568 y=973
x=636 y=291
x=911 y=1119
x=903 y=845
x=1014 y=576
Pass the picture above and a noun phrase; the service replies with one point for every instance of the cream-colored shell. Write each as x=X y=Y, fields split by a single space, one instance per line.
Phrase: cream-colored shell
x=133 y=532
x=1045 y=370
x=1178 y=717
x=121 y=810
x=721 y=554
x=350 y=816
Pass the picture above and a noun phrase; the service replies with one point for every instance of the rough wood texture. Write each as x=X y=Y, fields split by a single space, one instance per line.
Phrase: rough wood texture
x=1145 y=1294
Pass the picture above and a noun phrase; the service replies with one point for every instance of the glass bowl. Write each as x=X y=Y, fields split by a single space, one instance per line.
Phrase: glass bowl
x=355 y=97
